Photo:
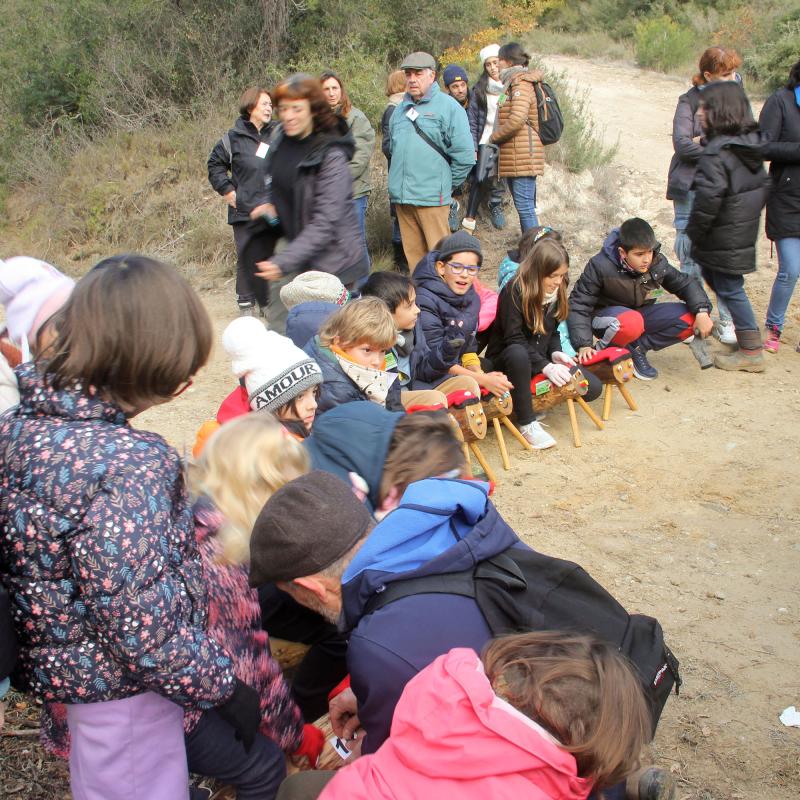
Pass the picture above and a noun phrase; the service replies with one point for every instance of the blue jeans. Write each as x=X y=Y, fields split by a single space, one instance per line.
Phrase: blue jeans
x=523 y=190
x=683 y=248
x=360 y=204
x=730 y=288
x=785 y=280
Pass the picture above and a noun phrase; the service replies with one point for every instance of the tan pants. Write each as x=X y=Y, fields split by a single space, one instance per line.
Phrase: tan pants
x=438 y=396
x=421 y=227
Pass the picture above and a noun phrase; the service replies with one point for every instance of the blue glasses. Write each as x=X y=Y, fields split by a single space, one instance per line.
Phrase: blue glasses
x=458 y=269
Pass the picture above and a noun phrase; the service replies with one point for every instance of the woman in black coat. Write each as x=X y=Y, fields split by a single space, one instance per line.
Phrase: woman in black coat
x=236 y=169
x=780 y=125
x=730 y=191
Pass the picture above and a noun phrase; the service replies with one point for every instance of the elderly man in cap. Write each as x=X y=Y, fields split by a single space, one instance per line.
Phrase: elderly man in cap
x=431 y=152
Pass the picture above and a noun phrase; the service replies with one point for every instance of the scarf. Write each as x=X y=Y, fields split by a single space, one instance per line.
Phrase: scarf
x=494 y=87
x=550 y=298
x=507 y=75
x=374 y=383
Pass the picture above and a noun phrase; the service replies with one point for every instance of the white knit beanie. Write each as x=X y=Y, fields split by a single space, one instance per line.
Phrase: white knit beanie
x=313 y=286
x=490 y=51
x=275 y=371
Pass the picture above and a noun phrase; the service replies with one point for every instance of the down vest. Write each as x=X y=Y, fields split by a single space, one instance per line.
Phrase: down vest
x=517 y=128
x=98 y=552
x=730 y=191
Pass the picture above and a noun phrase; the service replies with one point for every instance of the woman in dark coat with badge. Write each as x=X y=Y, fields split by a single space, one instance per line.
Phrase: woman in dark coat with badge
x=236 y=169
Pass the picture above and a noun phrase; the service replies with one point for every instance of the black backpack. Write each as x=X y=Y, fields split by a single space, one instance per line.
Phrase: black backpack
x=551 y=120
x=522 y=590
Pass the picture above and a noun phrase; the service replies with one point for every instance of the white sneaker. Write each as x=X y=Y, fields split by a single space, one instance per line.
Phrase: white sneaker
x=536 y=436
x=726 y=332
x=468 y=224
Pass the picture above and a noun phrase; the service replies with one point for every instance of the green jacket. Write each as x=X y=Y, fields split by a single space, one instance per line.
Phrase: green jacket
x=365 y=143
x=418 y=175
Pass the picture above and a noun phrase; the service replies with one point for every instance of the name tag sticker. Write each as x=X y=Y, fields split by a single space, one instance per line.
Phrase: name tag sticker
x=262 y=150
x=412 y=114
x=340 y=747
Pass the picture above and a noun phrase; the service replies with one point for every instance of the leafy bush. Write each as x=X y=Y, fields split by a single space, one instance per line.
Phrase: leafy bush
x=771 y=61
x=662 y=44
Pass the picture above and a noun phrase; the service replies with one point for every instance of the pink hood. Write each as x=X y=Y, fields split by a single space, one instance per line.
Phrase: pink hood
x=453 y=737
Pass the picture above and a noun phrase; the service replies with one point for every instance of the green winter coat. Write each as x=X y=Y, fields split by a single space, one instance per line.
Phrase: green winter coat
x=364 y=136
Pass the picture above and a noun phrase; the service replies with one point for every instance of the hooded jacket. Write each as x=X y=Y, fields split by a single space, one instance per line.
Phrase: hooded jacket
x=321 y=225
x=606 y=282
x=730 y=191
x=237 y=167
x=354 y=437
x=364 y=138
x=427 y=366
x=337 y=388
x=440 y=526
x=452 y=736
x=305 y=319
x=99 y=556
x=444 y=315
x=780 y=123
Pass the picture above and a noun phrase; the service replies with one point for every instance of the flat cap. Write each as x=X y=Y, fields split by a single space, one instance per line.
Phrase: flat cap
x=419 y=60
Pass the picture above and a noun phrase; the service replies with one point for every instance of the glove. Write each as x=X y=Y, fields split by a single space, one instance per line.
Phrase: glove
x=243 y=712
x=454 y=336
x=557 y=374
x=311 y=745
x=562 y=358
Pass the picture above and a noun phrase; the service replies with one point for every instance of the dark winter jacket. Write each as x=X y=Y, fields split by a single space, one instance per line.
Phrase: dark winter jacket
x=337 y=388
x=730 y=191
x=386 y=117
x=685 y=127
x=427 y=366
x=323 y=226
x=305 y=320
x=606 y=282
x=100 y=557
x=444 y=316
x=440 y=526
x=476 y=114
x=510 y=328
x=354 y=437
x=238 y=167
x=780 y=124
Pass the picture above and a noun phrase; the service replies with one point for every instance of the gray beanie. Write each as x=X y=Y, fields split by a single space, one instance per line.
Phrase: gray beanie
x=460 y=242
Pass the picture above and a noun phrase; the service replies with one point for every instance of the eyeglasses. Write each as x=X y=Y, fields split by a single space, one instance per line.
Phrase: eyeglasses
x=457 y=268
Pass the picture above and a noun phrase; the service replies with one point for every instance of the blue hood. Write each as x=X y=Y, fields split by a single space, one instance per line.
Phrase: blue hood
x=610 y=247
x=305 y=320
x=426 y=277
x=442 y=525
x=353 y=437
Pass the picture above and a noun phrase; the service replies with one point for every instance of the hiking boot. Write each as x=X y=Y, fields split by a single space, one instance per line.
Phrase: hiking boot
x=650 y=783
x=773 y=340
x=468 y=224
x=700 y=352
x=497 y=216
x=642 y=368
x=453 y=220
x=536 y=436
x=725 y=331
x=748 y=358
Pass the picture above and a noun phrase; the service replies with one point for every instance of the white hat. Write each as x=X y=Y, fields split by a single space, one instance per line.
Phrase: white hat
x=312 y=286
x=275 y=371
x=490 y=51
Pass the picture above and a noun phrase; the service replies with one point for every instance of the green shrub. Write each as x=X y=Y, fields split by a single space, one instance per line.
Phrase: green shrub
x=662 y=44
x=771 y=61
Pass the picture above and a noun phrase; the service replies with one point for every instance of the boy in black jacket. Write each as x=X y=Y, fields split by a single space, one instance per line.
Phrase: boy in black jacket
x=615 y=299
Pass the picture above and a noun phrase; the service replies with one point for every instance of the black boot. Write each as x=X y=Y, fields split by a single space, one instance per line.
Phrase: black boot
x=400 y=263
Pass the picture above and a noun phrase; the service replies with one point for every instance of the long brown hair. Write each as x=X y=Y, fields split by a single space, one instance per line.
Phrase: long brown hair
x=580 y=690
x=345 y=104
x=302 y=86
x=716 y=59
x=546 y=256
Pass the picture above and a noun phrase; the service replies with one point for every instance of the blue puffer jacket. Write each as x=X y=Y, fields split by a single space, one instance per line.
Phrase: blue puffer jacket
x=443 y=312
x=100 y=557
x=336 y=387
x=418 y=175
x=441 y=526
x=305 y=320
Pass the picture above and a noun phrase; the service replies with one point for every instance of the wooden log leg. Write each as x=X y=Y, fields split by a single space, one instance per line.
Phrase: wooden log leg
x=623 y=390
x=573 y=421
x=501 y=443
x=589 y=413
x=516 y=434
x=607 y=396
x=473 y=446
x=467 y=459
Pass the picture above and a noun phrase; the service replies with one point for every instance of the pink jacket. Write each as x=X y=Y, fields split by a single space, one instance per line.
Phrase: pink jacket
x=452 y=736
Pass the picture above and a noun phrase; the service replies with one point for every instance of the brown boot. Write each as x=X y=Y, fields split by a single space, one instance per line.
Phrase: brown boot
x=748 y=358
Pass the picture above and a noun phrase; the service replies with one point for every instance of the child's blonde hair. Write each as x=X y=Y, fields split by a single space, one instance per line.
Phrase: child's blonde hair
x=243 y=464
x=367 y=319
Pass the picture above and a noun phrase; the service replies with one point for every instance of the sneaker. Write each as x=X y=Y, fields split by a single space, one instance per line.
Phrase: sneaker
x=468 y=224
x=453 y=220
x=773 y=340
x=247 y=308
x=726 y=332
x=536 y=436
x=642 y=368
x=498 y=217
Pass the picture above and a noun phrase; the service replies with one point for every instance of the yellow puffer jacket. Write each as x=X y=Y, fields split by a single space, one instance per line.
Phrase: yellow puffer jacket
x=517 y=130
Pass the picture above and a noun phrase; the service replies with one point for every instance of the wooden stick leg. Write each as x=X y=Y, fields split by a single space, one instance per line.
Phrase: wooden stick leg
x=607 y=401
x=589 y=413
x=482 y=461
x=573 y=421
x=467 y=459
x=516 y=434
x=501 y=443
x=623 y=390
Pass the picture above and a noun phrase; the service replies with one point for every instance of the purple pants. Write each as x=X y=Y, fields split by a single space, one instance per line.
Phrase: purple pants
x=128 y=750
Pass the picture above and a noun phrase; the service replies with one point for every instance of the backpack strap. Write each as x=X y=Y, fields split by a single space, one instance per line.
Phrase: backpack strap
x=427 y=139
x=459 y=583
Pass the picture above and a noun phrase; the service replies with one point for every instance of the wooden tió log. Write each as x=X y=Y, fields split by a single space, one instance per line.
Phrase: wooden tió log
x=577 y=386
x=471 y=420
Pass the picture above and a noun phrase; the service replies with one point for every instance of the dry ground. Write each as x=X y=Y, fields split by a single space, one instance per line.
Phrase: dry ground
x=687 y=509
